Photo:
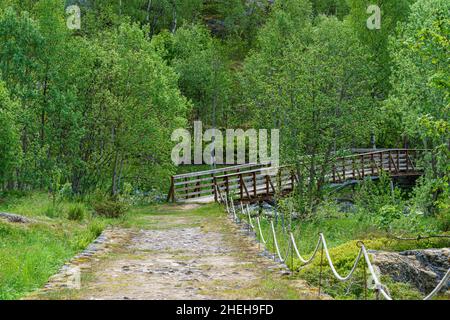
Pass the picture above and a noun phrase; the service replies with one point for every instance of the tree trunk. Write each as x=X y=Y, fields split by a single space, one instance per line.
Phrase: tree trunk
x=115 y=174
x=174 y=15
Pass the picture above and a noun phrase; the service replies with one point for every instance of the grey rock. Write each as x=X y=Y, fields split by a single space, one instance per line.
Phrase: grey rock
x=266 y=206
x=424 y=269
x=14 y=218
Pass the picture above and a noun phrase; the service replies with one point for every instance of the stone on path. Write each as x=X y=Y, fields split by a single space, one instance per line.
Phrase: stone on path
x=179 y=256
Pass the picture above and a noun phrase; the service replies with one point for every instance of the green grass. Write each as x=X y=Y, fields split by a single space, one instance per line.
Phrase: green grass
x=31 y=253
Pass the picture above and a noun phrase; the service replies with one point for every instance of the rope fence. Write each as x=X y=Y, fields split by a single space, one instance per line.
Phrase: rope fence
x=292 y=247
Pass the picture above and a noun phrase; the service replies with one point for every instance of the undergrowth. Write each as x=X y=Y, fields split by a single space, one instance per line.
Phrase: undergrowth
x=30 y=253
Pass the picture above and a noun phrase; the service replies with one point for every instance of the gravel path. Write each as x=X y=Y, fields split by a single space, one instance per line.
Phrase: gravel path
x=176 y=256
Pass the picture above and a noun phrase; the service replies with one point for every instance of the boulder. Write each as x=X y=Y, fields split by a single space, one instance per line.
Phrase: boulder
x=266 y=206
x=424 y=269
x=14 y=218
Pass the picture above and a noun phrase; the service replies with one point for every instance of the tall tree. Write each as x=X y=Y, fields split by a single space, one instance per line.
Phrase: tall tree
x=9 y=137
x=376 y=39
x=419 y=101
x=317 y=87
x=156 y=15
x=205 y=76
x=337 y=8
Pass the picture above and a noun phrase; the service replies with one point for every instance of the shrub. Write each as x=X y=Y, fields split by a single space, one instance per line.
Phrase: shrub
x=65 y=191
x=110 y=208
x=52 y=211
x=443 y=218
x=140 y=198
x=76 y=212
x=387 y=214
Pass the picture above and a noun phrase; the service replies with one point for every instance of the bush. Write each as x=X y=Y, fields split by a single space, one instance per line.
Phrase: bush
x=76 y=212
x=140 y=198
x=387 y=214
x=52 y=211
x=110 y=209
x=371 y=196
x=65 y=192
x=443 y=219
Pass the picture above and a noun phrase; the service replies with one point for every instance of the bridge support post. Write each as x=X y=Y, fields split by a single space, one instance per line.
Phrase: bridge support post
x=171 y=196
x=216 y=196
x=255 y=193
x=241 y=186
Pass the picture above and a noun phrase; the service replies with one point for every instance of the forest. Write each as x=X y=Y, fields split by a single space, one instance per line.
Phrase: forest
x=91 y=92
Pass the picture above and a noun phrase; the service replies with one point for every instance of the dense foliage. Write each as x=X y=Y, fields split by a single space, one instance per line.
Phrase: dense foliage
x=94 y=108
x=86 y=116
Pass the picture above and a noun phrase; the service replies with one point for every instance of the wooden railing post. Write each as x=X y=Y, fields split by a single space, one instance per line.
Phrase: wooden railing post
x=293 y=180
x=407 y=160
x=372 y=163
x=389 y=161
x=381 y=162
x=199 y=189
x=254 y=185
x=215 y=187
x=185 y=187
x=241 y=187
x=171 y=196
x=353 y=168
x=363 y=166
x=343 y=169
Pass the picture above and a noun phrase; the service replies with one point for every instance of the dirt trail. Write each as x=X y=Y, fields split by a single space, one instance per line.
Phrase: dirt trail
x=180 y=255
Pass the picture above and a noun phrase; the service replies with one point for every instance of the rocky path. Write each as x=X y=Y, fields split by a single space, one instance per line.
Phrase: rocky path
x=185 y=252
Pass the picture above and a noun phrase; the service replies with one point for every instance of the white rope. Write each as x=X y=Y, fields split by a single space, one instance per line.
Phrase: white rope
x=231 y=205
x=249 y=218
x=260 y=231
x=219 y=194
x=227 y=206
x=305 y=261
x=330 y=262
x=234 y=211
x=439 y=286
x=216 y=193
x=379 y=287
x=275 y=241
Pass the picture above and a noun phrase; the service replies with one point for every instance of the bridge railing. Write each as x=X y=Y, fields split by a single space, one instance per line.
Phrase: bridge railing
x=396 y=162
x=258 y=183
x=201 y=184
x=250 y=181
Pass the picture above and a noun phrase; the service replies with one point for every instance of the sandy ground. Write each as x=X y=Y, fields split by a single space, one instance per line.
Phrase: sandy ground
x=177 y=256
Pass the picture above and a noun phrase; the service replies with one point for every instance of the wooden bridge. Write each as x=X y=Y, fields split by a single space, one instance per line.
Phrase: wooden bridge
x=255 y=182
